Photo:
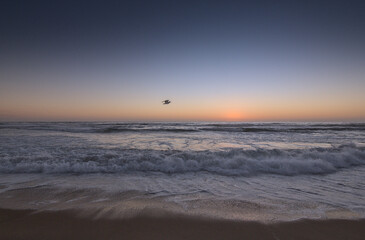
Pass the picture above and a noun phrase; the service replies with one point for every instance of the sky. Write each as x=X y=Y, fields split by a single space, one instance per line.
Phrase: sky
x=215 y=60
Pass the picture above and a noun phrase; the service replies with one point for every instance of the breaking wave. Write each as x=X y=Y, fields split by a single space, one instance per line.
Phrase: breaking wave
x=232 y=162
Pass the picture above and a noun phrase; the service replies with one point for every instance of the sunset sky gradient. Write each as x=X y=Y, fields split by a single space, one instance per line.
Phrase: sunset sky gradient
x=215 y=60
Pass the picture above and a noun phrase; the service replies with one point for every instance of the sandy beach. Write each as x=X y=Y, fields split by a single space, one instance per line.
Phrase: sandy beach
x=28 y=224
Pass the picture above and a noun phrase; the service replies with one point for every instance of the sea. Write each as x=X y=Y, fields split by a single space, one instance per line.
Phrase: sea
x=272 y=171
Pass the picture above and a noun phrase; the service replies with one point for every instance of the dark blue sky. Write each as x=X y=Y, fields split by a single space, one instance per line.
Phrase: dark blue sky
x=162 y=22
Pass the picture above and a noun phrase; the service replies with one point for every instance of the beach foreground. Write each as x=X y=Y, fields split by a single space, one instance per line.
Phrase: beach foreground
x=203 y=180
x=29 y=224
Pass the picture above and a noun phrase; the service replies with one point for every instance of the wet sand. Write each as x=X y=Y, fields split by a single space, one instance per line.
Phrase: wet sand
x=28 y=224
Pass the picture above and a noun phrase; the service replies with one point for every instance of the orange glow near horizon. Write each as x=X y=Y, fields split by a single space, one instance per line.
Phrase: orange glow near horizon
x=233 y=115
x=179 y=112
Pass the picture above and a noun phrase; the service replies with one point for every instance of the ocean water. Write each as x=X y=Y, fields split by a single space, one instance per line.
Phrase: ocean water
x=255 y=171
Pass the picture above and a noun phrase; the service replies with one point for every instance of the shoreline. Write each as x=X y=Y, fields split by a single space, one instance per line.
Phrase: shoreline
x=68 y=224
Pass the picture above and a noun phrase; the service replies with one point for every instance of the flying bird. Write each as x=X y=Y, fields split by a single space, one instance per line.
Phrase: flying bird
x=166 y=102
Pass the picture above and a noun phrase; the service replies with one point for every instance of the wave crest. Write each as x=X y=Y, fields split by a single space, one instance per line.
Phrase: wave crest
x=232 y=162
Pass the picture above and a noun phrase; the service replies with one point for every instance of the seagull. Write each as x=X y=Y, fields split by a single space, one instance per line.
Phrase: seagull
x=166 y=102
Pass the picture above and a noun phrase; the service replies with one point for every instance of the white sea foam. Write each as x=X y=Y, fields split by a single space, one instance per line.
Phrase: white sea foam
x=235 y=162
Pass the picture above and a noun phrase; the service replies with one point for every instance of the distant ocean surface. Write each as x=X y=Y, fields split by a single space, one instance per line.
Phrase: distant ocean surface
x=232 y=170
